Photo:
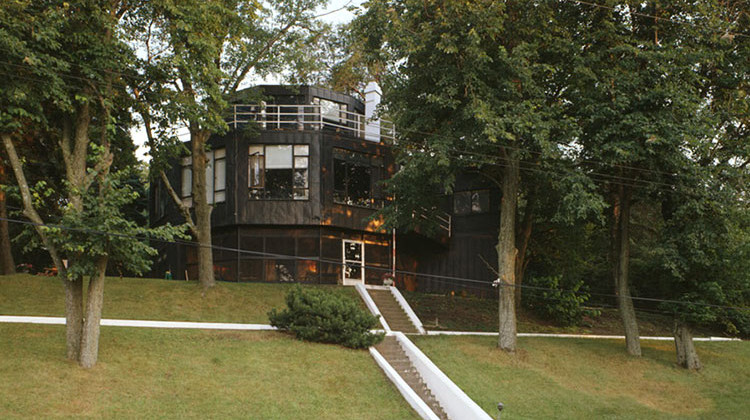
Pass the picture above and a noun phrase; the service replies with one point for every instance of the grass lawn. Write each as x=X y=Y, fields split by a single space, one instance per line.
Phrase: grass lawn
x=573 y=379
x=153 y=373
x=150 y=299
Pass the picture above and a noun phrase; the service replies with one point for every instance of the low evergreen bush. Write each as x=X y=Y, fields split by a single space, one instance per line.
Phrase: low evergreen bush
x=549 y=298
x=314 y=315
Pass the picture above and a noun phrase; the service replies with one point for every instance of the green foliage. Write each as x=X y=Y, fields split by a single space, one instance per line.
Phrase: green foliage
x=102 y=228
x=316 y=315
x=209 y=50
x=552 y=299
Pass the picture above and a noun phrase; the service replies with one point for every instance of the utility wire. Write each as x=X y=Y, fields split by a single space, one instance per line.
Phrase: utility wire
x=657 y=18
x=343 y=264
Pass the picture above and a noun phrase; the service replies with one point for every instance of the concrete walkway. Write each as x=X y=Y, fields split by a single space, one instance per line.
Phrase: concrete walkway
x=264 y=327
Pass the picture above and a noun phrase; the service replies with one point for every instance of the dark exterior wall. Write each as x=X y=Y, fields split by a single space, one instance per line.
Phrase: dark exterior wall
x=252 y=253
x=278 y=212
x=305 y=236
x=345 y=216
x=469 y=253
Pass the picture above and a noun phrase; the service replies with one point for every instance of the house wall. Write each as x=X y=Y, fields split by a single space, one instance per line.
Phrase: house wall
x=466 y=262
x=274 y=237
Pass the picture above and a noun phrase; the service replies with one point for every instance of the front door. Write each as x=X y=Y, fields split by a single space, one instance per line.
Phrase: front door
x=353 y=257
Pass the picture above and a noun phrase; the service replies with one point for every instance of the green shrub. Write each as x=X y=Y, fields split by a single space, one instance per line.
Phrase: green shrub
x=315 y=315
x=549 y=299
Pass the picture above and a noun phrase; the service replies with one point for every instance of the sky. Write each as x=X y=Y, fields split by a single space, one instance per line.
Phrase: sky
x=335 y=12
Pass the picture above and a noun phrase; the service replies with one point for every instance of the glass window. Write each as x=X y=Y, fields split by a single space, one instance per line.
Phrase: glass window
x=216 y=176
x=354 y=260
x=355 y=178
x=278 y=172
x=279 y=157
x=471 y=202
x=187 y=177
x=210 y=177
x=331 y=111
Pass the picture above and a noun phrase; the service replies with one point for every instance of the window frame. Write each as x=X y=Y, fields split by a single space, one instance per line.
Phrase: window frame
x=213 y=196
x=300 y=153
x=472 y=201
x=376 y=167
x=342 y=110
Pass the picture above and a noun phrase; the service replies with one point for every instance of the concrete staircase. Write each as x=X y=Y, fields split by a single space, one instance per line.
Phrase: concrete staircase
x=392 y=352
x=392 y=312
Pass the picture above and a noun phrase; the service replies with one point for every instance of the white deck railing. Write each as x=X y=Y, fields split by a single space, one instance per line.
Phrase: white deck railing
x=308 y=117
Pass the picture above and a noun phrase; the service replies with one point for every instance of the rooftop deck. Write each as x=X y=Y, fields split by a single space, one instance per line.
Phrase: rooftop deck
x=311 y=117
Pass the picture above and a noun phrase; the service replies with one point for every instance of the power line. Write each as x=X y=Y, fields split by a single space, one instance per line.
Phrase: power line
x=528 y=166
x=444 y=278
x=534 y=152
x=657 y=18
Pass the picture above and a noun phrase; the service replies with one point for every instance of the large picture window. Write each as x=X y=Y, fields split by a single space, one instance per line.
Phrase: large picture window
x=355 y=178
x=279 y=172
x=216 y=177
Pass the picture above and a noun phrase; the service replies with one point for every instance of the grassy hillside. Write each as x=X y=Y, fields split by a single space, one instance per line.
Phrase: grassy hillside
x=152 y=373
x=574 y=379
x=168 y=300
x=456 y=313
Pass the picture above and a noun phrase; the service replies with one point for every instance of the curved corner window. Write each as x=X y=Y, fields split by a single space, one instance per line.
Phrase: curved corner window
x=216 y=177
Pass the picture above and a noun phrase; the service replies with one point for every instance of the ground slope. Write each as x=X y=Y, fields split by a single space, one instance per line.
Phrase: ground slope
x=587 y=378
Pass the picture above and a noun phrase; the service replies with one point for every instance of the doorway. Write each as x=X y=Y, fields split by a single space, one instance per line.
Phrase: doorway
x=353 y=258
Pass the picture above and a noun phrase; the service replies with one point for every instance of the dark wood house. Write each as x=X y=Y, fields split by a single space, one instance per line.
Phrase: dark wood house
x=296 y=183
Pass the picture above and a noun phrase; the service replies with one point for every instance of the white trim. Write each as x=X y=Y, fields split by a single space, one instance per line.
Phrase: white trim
x=50 y=320
x=423 y=410
x=455 y=402
x=371 y=305
x=142 y=323
x=407 y=308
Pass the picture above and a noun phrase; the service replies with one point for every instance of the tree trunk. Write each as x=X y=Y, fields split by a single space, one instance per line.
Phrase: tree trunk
x=94 y=303
x=506 y=255
x=524 y=239
x=73 y=317
x=687 y=357
x=202 y=210
x=7 y=264
x=621 y=248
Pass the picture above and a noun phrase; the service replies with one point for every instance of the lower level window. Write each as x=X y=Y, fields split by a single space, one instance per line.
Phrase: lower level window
x=279 y=172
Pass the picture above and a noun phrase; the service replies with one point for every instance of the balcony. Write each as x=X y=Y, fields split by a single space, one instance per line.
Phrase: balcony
x=311 y=117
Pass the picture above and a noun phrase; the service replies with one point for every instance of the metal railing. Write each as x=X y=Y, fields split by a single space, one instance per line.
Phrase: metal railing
x=311 y=117
x=442 y=219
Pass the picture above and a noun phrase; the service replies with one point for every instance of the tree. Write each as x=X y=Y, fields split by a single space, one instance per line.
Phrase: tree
x=61 y=87
x=472 y=86
x=701 y=258
x=636 y=98
x=198 y=54
x=7 y=265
